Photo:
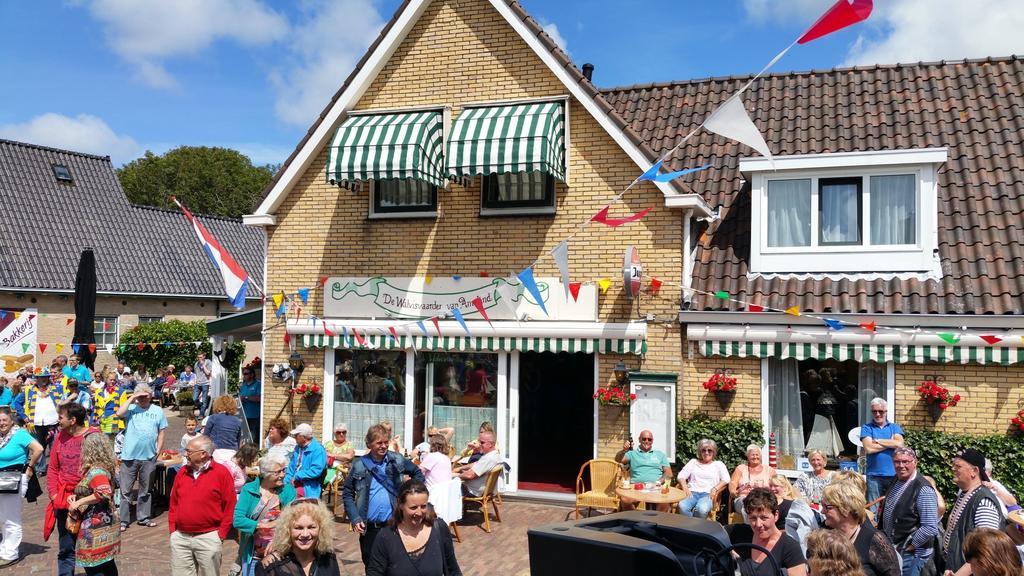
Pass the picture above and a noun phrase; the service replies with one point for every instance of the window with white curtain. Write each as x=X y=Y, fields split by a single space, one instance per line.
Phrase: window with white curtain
x=839 y=212
x=893 y=217
x=789 y=213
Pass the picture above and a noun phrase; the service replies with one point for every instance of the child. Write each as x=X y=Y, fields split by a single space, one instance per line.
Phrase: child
x=190 y=432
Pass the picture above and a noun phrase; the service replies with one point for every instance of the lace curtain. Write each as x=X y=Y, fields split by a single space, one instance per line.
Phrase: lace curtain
x=784 y=411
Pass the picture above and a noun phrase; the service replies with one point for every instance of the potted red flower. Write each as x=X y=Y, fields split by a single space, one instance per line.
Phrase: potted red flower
x=1018 y=421
x=613 y=396
x=310 y=392
x=721 y=381
x=936 y=395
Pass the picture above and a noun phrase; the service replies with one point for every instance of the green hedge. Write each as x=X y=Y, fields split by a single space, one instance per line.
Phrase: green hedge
x=732 y=435
x=935 y=452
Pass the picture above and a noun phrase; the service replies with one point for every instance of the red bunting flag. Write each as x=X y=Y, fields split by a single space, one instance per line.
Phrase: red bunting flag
x=655 y=285
x=140 y=346
x=484 y=274
x=394 y=333
x=92 y=348
x=869 y=326
x=602 y=217
x=478 y=303
x=287 y=338
x=323 y=280
x=359 y=337
x=327 y=331
x=69 y=321
x=992 y=340
x=437 y=325
x=842 y=14
x=42 y=347
x=755 y=308
x=574 y=289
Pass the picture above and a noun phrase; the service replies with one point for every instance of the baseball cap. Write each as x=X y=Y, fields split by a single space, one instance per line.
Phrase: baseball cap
x=302 y=430
x=975 y=458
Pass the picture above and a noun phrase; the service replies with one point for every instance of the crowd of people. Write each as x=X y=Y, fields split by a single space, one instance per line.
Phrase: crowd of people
x=887 y=522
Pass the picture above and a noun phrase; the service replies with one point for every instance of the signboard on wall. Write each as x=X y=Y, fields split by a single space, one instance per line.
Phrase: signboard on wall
x=413 y=297
x=18 y=341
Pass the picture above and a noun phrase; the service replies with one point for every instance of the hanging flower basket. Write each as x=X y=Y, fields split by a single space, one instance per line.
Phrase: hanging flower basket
x=721 y=381
x=1018 y=421
x=613 y=396
x=311 y=393
x=937 y=396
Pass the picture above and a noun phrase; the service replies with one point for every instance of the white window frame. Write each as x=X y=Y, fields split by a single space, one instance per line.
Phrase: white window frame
x=149 y=319
x=917 y=257
x=115 y=325
x=890 y=399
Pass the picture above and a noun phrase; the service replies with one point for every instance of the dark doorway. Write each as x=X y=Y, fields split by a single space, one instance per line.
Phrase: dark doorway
x=556 y=419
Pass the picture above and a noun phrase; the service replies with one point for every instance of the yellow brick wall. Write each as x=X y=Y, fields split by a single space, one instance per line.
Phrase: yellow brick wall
x=461 y=52
x=990 y=396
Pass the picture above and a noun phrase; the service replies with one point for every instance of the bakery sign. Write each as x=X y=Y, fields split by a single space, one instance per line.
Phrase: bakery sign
x=381 y=297
x=18 y=340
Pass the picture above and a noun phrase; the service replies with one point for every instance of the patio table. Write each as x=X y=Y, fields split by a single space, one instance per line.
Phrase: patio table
x=655 y=496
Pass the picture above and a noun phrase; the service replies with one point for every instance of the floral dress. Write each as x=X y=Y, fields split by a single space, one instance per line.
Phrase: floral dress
x=99 y=538
x=812 y=486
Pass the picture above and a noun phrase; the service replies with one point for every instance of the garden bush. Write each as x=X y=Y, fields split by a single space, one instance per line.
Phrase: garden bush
x=935 y=452
x=732 y=435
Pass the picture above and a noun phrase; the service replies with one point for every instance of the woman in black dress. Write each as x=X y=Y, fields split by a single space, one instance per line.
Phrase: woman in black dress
x=762 y=508
x=417 y=543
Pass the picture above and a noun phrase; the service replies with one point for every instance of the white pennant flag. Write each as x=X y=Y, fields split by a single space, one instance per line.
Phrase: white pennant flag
x=412 y=341
x=561 y=256
x=731 y=120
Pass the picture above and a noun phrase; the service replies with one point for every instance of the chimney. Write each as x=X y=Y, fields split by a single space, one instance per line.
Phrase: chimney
x=588 y=71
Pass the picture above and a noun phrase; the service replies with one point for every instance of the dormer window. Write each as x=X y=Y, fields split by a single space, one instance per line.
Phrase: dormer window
x=61 y=172
x=858 y=212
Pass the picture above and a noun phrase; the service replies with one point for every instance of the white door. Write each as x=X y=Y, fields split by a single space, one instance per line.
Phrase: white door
x=653 y=410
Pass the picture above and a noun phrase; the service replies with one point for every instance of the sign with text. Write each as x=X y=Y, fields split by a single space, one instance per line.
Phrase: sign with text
x=404 y=297
x=18 y=341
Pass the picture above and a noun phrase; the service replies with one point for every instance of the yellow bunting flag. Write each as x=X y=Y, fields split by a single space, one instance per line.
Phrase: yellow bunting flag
x=59 y=348
x=793 y=310
x=153 y=345
x=17 y=315
x=604 y=284
x=278 y=298
x=428 y=279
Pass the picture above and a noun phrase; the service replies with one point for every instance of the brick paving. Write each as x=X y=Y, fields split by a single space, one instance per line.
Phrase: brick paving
x=145 y=551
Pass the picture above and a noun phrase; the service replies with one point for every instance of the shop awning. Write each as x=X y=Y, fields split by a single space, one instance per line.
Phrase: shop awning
x=378 y=146
x=508 y=139
x=480 y=343
x=862 y=352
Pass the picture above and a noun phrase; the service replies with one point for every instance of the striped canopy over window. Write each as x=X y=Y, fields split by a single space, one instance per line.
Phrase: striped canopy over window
x=508 y=139
x=479 y=344
x=899 y=354
x=379 y=146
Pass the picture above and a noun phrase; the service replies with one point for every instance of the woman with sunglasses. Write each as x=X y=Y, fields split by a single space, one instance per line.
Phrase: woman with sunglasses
x=417 y=543
x=258 y=509
x=302 y=544
x=702 y=476
x=340 y=453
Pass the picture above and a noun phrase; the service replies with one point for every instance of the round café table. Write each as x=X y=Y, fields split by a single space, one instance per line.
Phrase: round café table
x=674 y=495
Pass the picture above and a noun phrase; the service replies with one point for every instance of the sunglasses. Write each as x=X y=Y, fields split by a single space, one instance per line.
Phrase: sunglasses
x=708 y=450
x=878 y=411
x=341 y=431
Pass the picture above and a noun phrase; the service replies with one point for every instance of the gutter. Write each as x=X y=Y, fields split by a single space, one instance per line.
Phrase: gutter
x=1005 y=322
x=131 y=294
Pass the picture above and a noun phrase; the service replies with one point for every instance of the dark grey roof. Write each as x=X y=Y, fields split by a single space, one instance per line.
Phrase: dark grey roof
x=45 y=223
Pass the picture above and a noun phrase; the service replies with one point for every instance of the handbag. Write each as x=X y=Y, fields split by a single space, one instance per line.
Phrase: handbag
x=10 y=479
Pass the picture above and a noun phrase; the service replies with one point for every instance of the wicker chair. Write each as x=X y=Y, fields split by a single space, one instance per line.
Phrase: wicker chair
x=716 y=500
x=603 y=477
x=488 y=496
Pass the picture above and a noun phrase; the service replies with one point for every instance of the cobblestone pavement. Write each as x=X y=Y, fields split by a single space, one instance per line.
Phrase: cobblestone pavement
x=145 y=551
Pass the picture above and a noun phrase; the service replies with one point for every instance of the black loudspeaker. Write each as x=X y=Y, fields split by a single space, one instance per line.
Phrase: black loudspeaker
x=627 y=543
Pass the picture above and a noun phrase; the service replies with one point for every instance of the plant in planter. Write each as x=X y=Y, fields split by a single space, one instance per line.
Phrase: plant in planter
x=1018 y=421
x=613 y=396
x=935 y=394
x=721 y=381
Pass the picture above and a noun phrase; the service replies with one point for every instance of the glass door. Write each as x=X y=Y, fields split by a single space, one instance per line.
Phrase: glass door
x=458 y=391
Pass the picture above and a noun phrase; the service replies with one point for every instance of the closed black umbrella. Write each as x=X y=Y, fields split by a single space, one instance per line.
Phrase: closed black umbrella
x=85 y=308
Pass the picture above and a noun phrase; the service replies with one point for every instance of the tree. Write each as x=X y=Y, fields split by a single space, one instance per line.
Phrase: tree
x=217 y=181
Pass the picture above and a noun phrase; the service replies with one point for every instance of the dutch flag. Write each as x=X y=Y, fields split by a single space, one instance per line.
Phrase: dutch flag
x=236 y=280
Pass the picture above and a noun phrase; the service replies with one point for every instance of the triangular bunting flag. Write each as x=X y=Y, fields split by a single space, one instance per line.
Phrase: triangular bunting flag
x=280 y=310
x=327 y=331
x=278 y=299
x=602 y=217
x=394 y=334
x=359 y=337
x=461 y=320
x=3 y=315
x=992 y=340
x=652 y=172
x=484 y=275
x=731 y=120
x=834 y=324
x=287 y=338
x=423 y=328
x=42 y=347
x=69 y=321
x=168 y=345
x=869 y=326
x=408 y=334
x=140 y=347
x=526 y=277
x=153 y=345
x=949 y=337
x=793 y=310
x=670 y=176
x=24 y=347
x=456 y=277
x=437 y=325
x=428 y=279
x=344 y=336
x=722 y=295
x=92 y=348
x=303 y=295
x=17 y=315
x=655 y=285
x=76 y=347
x=574 y=290
x=109 y=348
x=755 y=308
x=60 y=348
x=842 y=14
x=323 y=280
x=604 y=284
x=561 y=256
x=478 y=303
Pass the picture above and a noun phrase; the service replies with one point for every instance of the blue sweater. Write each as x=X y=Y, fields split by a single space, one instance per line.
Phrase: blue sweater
x=307 y=466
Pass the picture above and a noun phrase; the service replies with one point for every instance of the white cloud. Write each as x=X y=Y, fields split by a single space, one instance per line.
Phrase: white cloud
x=329 y=41
x=551 y=29
x=146 y=33
x=775 y=11
x=83 y=133
x=926 y=30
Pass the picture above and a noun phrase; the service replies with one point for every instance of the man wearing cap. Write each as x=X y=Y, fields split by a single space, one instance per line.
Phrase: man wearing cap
x=37 y=405
x=975 y=507
x=308 y=463
x=910 y=514
x=145 y=425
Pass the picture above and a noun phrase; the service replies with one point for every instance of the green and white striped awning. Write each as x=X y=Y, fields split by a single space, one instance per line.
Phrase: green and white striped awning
x=509 y=139
x=900 y=354
x=480 y=343
x=378 y=146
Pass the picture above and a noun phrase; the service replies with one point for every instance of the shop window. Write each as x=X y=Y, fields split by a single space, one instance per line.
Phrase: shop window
x=813 y=404
x=105 y=330
x=531 y=192
x=404 y=196
x=456 y=391
x=369 y=388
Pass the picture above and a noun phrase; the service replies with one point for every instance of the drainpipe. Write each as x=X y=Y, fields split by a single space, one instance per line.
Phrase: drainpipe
x=687 y=279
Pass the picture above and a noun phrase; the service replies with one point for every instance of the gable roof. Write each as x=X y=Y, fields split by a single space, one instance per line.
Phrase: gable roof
x=378 y=53
x=973 y=107
x=45 y=224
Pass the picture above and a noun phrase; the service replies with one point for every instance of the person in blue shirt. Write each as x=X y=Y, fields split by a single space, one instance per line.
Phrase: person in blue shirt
x=308 y=463
x=880 y=437
x=6 y=397
x=249 y=392
x=76 y=371
x=145 y=426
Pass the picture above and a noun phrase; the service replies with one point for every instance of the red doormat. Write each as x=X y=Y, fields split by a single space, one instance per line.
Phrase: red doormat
x=546 y=487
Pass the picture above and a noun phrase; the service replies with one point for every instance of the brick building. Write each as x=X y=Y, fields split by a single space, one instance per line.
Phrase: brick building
x=426 y=199
x=149 y=264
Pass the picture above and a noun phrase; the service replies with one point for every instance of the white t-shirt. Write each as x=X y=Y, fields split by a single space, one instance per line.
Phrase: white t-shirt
x=481 y=467
x=46 y=411
x=701 y=477
x=437 y=468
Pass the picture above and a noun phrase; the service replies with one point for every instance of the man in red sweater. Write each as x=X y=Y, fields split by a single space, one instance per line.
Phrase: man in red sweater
x=201 y=511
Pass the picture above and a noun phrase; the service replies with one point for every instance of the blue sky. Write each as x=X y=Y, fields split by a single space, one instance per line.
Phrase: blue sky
x=118 y=77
